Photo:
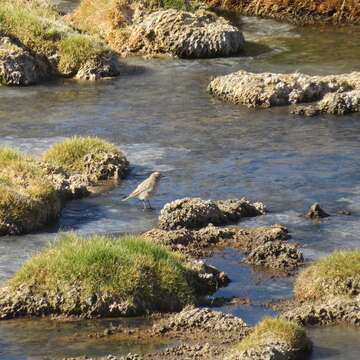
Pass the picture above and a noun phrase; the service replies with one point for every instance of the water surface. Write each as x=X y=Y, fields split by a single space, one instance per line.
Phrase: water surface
x=160 y=114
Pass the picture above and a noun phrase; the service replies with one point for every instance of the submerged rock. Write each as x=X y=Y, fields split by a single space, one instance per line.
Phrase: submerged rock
x=18 y=66
x=195 y=213
x=183 y=34
x=333 y=94
x=316 y=212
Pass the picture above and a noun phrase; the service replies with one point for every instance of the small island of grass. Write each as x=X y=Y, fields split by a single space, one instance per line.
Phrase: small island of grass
x=90 y=156
x=272 y=334
x=328 y=291
x=335 y=275
x=100 y=276
x=32 y=192
x=28 y=200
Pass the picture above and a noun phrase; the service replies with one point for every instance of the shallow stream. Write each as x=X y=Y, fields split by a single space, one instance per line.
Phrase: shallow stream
x=159 y=112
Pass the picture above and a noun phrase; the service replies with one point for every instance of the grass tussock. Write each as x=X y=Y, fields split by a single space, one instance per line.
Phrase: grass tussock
x=274 y=330
x=39 y=27
x=27 y=199
x=70 y=153
x=130 y=268
x=335 y=275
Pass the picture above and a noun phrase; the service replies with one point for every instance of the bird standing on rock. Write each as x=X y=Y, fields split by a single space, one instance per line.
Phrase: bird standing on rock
x=146 y=189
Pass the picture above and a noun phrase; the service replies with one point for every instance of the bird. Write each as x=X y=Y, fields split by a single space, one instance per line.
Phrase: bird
x=146 y=189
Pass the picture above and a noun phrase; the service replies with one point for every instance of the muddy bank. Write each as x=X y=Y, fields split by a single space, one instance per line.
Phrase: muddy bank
x=297 y=11
x=308 y=95
x=207 y=334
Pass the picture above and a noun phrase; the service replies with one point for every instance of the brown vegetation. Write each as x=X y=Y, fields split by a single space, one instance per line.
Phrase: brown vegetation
x=299 y=11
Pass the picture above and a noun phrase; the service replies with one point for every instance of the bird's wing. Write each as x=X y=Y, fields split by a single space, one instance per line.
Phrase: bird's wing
x=140 y=188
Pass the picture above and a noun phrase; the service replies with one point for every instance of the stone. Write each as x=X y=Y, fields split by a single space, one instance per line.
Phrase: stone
x=183 y=34
x=275 y=350
x=204 y=319
x=332 y=94
x=276 y=255
x=316 y=212
x=195 y=213
x=199 y=243
x=333 y=311
x=19 y=67
x=106 y=66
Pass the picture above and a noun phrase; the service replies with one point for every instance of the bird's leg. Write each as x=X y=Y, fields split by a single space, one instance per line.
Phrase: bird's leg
x=151 y=208
x=144 y=203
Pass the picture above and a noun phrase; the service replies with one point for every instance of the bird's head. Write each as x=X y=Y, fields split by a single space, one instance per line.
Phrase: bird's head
x=156 y=175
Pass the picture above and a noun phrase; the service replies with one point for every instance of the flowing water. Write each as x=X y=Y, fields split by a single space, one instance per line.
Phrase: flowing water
x=159 y=112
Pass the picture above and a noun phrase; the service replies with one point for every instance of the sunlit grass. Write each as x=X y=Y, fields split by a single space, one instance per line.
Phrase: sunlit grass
x=129 y=267
x=70 y=153
x=336 y=274
x=38 y=26
x=274 y=330
x=27 y=198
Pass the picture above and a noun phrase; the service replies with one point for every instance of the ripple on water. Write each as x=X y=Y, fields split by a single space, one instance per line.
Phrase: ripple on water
x=165 y=120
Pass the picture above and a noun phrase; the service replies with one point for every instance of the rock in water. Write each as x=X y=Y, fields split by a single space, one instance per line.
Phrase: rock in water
x=316 y=212
x=18 y=66
x=195 y=213
x=106 y=66
x=333 y=94
x=185 y=35
x=276 y=255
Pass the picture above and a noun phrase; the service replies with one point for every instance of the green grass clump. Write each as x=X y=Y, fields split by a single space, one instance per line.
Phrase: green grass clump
x=70 y=153
x=274 y=330
x=128 y=268
x=27 y=199
x=335 y=275
x=39 y=27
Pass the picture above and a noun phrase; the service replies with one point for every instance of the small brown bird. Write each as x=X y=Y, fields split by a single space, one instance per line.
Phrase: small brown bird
x=146 y=189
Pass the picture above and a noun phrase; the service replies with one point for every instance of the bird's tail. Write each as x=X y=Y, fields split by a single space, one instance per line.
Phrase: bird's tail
x=127 y=198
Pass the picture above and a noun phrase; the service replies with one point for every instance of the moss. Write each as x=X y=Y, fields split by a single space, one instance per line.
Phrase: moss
x=274 y=330
x=334 y=275
x=128 y=269
x=39 y=27
x=27 y=199
x=70 y=153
